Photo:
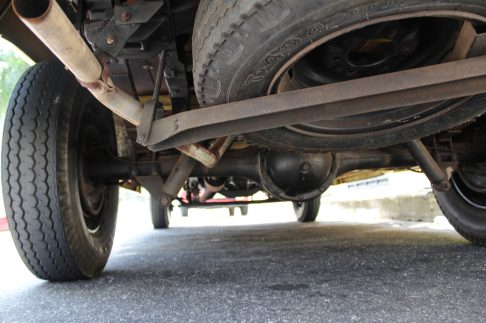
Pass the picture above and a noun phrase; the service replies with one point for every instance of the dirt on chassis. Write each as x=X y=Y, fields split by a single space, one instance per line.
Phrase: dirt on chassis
x=232 y=97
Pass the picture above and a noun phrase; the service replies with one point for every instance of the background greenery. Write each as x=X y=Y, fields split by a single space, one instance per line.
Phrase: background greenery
x=12 y=64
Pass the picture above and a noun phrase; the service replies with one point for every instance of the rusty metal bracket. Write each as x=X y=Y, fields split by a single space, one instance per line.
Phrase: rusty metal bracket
x=209 y=157
x=378 y=93
x=136 y=13
x=149 y=109
x=127 y=20
x=143 y=130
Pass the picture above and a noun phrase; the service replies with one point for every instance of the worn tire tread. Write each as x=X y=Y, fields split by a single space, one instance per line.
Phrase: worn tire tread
x=30 y=198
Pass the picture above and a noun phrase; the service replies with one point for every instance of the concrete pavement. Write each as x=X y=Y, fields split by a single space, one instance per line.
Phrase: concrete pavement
x=259 y=271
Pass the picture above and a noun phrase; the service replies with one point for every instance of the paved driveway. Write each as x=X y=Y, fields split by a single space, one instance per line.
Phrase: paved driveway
x=328 y=271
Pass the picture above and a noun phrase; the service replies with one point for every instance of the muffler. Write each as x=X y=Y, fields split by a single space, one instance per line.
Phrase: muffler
x=50 y=24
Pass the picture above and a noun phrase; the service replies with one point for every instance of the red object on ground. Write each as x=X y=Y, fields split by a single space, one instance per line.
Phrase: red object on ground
x=217 y=200
x=3 y=224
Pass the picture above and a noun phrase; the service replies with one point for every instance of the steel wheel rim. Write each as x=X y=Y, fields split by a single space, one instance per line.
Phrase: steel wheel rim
x=92 y=195
x=378 y=122
x=474 y=195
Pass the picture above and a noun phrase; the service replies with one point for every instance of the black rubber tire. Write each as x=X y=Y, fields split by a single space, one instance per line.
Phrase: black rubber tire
x=240 y=45
x=231 y=211
x=160 y=214
x=244 y=210
x=468 y=220
x=307 y=211
x=184 y=211
x=40 y=176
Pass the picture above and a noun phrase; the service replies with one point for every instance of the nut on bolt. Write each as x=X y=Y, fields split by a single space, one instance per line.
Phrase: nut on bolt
x=443 y=187
x=109 y=40
x=125 y=16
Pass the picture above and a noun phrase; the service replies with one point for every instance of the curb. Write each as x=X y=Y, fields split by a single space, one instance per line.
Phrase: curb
x=415 y=208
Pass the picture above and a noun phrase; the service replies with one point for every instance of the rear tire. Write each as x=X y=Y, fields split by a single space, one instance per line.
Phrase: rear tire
x=62 y=223
x=160 y=214
x=307 y=211
x=465 y=209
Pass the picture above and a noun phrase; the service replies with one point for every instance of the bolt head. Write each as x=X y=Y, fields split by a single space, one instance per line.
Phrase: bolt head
x=443 y=187
x=305 y=167
x=110 y=40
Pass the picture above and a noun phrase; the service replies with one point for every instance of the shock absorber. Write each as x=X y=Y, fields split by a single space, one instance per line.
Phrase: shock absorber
x=437 y=176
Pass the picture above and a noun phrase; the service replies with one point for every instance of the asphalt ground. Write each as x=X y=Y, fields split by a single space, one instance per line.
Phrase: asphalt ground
x=264 y=267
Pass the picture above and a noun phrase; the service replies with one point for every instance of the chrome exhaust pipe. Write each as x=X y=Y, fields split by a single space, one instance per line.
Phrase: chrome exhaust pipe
x=50 y=24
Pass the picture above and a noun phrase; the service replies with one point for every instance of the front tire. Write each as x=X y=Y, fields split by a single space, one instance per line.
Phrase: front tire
x=307 y=211
x=62 y=223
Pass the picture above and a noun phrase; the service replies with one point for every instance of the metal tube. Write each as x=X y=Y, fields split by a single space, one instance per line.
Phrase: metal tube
x=102 y=167
x=211 y=188
x=50 y=24
x=179 y=175
x=432 y=170
x=159 y=76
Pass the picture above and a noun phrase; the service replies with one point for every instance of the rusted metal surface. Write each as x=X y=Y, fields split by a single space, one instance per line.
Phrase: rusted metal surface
x=465 y=41
x=149 y=109
x=437 y=176
x=106 y=168
x=199 y=153
x=51 y=25
x=209 y=157
x=178 y=176
x=373 y=94
x=378 y=93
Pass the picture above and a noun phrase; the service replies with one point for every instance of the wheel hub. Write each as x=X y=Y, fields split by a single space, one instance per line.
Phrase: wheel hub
x=374 y=50
x=92 y=195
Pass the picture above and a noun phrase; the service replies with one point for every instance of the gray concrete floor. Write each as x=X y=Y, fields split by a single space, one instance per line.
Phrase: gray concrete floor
x=263 y=267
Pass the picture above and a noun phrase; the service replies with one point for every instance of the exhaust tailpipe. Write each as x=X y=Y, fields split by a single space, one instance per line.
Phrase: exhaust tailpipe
x=50 y=24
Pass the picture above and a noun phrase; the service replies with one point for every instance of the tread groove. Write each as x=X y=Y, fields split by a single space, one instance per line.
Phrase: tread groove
x=37 y=191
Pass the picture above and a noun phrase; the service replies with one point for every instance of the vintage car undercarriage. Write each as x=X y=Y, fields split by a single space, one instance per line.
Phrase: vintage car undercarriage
x=233 y=97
